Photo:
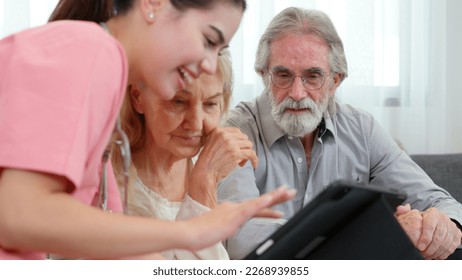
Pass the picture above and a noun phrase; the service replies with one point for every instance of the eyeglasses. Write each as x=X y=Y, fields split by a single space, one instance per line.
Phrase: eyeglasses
x=311 y=79
x=120 y=139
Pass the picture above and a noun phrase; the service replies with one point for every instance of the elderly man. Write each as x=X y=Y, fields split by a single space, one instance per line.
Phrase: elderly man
x=307 y=140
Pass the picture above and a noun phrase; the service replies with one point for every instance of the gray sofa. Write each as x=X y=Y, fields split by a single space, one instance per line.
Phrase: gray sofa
x=446 y=171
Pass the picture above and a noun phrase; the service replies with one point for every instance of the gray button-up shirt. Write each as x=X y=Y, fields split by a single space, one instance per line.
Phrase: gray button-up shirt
x=350 y=145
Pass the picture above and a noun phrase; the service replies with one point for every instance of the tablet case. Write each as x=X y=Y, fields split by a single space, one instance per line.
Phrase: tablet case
x=347 y=221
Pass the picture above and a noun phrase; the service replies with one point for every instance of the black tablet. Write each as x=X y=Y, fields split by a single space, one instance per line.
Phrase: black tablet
x=345 y=221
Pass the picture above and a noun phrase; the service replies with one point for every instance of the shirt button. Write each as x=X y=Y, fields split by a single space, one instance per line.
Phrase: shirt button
x=290 y=137
x=299 y=160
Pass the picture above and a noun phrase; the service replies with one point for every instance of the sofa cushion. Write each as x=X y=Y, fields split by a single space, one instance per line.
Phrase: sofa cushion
x=444 y=169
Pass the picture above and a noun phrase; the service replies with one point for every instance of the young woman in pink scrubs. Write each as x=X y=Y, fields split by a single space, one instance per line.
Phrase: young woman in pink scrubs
x=61 y=88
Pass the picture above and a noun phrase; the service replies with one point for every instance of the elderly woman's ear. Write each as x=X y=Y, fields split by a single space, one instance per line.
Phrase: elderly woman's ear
x=135 y=96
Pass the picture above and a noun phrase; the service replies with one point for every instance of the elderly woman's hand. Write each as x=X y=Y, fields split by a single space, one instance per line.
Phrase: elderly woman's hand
x=225 y=148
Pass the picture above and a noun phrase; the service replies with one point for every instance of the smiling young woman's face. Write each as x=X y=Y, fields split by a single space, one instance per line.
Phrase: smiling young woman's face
x=182 y=45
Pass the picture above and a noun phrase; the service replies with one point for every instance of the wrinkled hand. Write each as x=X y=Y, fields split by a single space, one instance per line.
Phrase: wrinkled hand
x=225 y=148
x=410 y=221
x=439 y=236
x=225 y=219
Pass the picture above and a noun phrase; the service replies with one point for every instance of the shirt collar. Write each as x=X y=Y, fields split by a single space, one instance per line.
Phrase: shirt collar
x=327 y=127
x=272 y=132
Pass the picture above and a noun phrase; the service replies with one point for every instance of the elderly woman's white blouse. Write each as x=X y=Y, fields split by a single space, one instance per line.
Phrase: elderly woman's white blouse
x=148 y=203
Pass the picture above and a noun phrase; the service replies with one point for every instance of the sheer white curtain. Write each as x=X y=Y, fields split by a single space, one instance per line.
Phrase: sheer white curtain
x=16 y=15
x=403 y=56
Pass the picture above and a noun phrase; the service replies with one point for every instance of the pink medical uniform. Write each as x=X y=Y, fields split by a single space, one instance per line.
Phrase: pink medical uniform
x=61 y=88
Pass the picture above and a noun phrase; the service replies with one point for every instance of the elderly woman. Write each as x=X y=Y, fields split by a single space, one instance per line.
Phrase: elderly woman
x=165 y=136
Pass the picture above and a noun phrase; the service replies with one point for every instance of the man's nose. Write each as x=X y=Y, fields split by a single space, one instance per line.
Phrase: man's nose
x=297 y=91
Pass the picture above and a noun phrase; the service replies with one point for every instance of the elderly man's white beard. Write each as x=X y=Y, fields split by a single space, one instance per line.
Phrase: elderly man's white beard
x=298 y=124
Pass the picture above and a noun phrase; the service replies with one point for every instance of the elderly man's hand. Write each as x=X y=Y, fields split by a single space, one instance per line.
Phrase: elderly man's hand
x=431 y=231
x=440 y=235
x=410 y=221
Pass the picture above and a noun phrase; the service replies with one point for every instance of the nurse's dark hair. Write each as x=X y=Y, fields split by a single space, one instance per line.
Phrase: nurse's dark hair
x=102 y=10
